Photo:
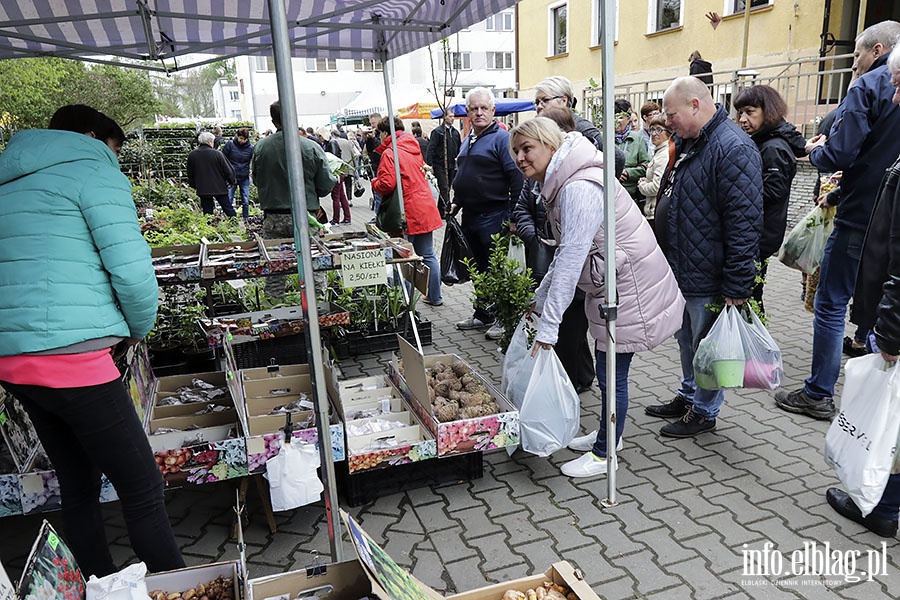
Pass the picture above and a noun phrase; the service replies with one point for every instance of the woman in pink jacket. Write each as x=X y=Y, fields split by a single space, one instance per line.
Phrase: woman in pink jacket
x=422 y=216
x=570 y=171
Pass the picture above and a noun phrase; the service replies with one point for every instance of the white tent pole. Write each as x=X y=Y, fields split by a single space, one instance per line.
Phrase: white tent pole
x=282 y=50
x=390 y=110
x=607 y=37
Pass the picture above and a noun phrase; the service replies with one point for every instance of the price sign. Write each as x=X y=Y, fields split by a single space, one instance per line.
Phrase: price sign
x=363 y=268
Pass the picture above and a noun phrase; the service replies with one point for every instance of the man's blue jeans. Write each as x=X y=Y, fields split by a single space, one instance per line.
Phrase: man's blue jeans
x=889 y=505
x=837 y=278
x=695 y=324
x=478 y=229
x=423 y=244
x=623 y=363
x=244 y=184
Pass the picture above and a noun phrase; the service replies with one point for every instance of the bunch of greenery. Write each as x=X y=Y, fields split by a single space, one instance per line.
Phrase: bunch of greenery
x=505 y=289
x=185 y=224
x=161 y=192
x=384 y=304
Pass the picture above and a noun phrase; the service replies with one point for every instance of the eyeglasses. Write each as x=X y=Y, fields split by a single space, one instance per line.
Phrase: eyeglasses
x=657 y=130
x=542 y=101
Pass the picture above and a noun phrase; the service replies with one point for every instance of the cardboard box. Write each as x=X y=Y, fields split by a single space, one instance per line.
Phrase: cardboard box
x=282 y=255
x=184 y=266
x=347 y=580
x=464 y=435
x=273 y=372
x=561 y=573
x=182 y=580
x=234 y=260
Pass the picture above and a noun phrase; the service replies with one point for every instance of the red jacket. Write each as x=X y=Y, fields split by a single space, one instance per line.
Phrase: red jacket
x=422 y=215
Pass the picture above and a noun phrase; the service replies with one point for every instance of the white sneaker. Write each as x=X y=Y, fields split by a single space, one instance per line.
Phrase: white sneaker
x=588 y=465
x=495 y=332
x=585 y=443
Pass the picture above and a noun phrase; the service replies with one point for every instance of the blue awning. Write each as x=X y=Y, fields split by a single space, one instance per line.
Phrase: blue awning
x=504 y=106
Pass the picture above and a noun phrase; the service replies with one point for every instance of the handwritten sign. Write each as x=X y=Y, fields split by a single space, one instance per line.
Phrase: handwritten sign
x=363 y=268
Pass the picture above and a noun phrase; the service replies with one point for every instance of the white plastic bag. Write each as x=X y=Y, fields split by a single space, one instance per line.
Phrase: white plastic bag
x=127 y=584
x=517 y=363
x=551 y=411
x=763 y=368
x=719 y=359
x=804 y=246
x=862 y=440
x=516 y=252
x=292 y=476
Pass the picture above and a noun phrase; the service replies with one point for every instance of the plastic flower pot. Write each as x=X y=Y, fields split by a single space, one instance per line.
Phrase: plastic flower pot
x=728 y=373
x=762 y=376
x=707 y=381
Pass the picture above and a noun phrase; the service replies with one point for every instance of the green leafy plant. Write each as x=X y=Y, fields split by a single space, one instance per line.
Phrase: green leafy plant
x=504 y=288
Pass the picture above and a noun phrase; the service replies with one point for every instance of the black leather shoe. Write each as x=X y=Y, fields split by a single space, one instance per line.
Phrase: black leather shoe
x=690 y=425
x=844 y=505
x=799 y=402
x=851 y=350
x=676 y=408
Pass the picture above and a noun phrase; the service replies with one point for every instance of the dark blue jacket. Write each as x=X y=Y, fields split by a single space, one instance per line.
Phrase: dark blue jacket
x=487 y=179
x=863 y=142
x=714 y=219
x=239 y=156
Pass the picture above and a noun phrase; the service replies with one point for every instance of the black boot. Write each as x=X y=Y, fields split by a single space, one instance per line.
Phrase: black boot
x=671 y=410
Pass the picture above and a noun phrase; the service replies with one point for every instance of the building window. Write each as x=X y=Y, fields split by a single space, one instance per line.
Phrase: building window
x=235 y=114
x=460 y=61
x=498 y=61
x=265 y=64
x=233 y=96
x=597 y=22
x=665 y=14
x=367 y=64
x=500 y=22
x=321 y=64
x=559 y=28
x=737 y=6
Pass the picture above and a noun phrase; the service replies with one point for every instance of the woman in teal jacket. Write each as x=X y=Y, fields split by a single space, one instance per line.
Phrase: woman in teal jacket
x=77 y=285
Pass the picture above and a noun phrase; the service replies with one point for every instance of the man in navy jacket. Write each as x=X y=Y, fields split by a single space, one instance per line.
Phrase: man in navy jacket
x=486 y=187
x=708 y=222
x=863 y=142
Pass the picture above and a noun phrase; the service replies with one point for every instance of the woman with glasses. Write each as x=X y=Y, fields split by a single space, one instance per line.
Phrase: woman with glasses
x=648 y=186
x=636 y=154
x=761 y=111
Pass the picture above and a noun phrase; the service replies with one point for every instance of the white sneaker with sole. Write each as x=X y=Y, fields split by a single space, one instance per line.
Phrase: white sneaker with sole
x=588 y=465
x=494 y=333
x=471 y=323
x=585 y=443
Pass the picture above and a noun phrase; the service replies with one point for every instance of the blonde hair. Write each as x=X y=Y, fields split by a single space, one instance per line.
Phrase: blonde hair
x=539 y=129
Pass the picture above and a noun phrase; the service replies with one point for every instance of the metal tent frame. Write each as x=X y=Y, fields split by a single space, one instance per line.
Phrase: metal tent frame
x=165 y=32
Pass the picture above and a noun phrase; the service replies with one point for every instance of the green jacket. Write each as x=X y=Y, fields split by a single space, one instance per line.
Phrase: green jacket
x=637 y=157
x=269 y=169
x=74 y=266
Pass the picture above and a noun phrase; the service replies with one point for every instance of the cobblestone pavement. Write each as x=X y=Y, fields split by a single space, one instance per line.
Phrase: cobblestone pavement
x=688 y=509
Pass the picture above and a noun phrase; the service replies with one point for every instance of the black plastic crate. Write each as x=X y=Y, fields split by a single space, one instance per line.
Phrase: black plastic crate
x=361 y=488
x=287 y=350
x=354 y=342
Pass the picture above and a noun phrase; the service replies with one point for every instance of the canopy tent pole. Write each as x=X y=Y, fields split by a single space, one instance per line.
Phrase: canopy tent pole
x=390 y=110
x=609 y=192
x=282 y=51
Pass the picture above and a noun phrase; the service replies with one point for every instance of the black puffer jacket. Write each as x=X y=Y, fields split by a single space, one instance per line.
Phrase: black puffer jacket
x=876 y=300
x=780 y=147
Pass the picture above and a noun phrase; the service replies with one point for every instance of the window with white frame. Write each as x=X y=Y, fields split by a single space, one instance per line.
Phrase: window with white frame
x=264 y=64
x=558 y=28
x=665 y=14
x=459 y=61
x=597 y=22
x=498 y=61
x=233 y=95
x=321 y=64
x=499 y=22
x=737 y=6
x=367 y=64
x=235 y=114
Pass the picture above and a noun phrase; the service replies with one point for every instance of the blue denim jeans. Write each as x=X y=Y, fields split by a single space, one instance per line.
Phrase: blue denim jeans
x=478 y=229
x=623 y=363
x=244 y=184
x=837 y=278
x=423 y=243
x=889 y=505
x=695 y=324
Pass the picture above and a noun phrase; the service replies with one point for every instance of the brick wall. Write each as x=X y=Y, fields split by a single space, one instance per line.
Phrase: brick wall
x=801 y=192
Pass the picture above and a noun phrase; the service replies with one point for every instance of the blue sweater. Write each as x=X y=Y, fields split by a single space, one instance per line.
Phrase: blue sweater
x=487 y=179
x=73 y=264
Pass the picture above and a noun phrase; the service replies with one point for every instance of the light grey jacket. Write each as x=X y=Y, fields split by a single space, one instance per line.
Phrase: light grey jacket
x=650 y=304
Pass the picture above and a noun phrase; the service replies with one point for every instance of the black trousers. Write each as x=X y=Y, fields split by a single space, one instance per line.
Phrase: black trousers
x=572 y=345
x=95 y=429
x=208 y=204
x=444 y=180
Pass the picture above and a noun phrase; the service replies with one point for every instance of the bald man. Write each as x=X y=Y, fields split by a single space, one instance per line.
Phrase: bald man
x=708 y=221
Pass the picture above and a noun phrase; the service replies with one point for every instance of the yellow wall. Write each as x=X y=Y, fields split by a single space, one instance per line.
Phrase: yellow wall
x=778 y=33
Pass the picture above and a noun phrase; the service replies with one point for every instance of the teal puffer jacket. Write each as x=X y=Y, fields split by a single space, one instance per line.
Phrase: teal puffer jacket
x=73 y=264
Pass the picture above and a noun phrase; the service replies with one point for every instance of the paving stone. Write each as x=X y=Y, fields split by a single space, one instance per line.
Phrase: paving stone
x=476 y=522
x=698 y=577
x=652 y=578
x=727 y=525
x=429 y=569
x=621 y=588
x=614 y=539
x=516 y=571
x=682 y=526
x=449 y=544
x=494 y=549
x=399 y=546
x=466 y=575
x=520 y=529
x=434 y=516
x=500 y=502
x=376 y=524
x=696 y=505
x=594 y=564
x=586 y=511
x=660 y=542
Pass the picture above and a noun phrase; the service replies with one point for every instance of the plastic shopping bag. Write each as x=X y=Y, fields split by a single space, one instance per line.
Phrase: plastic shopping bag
x=292 y=476
x=455 y=249
x=805 y=244
x=127 y=584
x=551 y=412
x=763 y=368
x=861 y=443
x=517 y=363
x=719 y=359
x=516 y=252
